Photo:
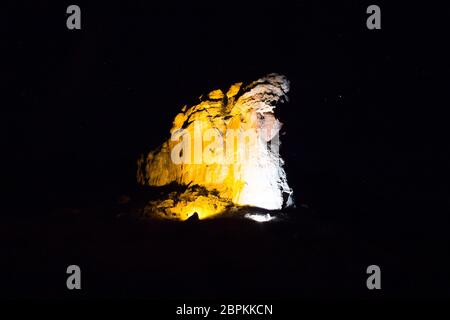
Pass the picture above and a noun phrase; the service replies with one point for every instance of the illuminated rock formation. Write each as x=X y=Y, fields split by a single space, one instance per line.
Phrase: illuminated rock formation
x=225 y=151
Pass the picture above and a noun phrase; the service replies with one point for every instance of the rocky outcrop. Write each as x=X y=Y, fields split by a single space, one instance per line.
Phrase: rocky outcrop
x=225 y=150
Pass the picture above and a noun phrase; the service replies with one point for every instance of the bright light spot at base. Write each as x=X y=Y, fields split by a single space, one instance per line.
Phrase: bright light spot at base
x=259 y=217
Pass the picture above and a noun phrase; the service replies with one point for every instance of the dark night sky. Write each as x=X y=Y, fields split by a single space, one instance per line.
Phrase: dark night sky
x=86 y=103
x=364 y=139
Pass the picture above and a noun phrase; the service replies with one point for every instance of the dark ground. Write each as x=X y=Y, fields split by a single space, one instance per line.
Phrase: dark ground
x=366 y=150
x=302 y=256
x=218 y=259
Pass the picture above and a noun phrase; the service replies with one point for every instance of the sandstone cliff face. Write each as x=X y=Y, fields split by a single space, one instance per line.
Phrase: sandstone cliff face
x=225 y=151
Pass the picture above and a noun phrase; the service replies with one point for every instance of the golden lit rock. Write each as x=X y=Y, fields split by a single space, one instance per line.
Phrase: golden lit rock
x=224 y=150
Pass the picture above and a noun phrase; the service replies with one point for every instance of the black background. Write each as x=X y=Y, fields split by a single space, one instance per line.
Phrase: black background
x=365 y=148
